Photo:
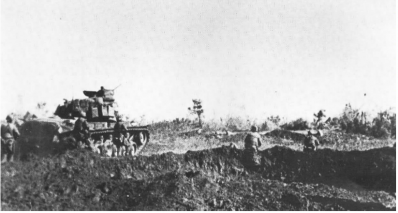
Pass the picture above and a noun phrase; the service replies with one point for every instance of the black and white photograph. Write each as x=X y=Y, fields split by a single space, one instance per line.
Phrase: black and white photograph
x=198 y=105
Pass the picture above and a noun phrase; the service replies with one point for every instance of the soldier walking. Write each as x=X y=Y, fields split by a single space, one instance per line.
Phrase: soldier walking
x=9 y=133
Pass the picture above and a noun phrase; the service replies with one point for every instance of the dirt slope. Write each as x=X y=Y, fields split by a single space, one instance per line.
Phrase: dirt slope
x=212 y=179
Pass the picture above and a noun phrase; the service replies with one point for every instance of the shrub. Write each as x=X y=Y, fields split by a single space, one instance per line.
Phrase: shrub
x=236 y=124
x=381 y=127
x=268 y=125
x=352 y=121
x=299 y=124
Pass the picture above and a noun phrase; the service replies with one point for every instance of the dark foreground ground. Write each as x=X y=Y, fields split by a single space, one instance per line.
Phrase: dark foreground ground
x=213 y=179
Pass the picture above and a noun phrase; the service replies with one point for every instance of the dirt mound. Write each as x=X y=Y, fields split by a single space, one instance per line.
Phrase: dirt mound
x=212 y=179
x=38 y=137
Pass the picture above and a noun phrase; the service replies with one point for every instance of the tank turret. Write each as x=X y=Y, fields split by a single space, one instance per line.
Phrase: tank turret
x=97 y=107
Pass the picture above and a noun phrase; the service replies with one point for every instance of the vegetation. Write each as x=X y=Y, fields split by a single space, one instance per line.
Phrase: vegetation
x=299 y=124
x=354 y=121
x=197 y=109
x=199 y=172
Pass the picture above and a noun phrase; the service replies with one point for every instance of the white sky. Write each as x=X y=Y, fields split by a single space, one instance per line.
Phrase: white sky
x=242 y=58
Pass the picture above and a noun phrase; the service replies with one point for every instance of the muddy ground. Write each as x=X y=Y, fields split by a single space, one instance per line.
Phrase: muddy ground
x=212 y=179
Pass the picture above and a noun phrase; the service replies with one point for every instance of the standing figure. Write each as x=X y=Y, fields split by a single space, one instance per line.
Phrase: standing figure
x=9 y=133
x=252 y=142
x=119 y=128
x=320 y=116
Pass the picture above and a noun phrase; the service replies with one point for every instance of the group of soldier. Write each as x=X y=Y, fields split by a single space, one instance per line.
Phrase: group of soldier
x=121 y=144
x=118 y=144
x=111 y=147
x=253 y=141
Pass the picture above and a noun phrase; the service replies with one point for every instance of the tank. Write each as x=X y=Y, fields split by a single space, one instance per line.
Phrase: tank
x=100 y=110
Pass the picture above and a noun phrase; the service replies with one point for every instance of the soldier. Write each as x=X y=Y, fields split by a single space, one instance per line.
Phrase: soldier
x=101 y=92
x=108 y=146
x=319 y=116
x=119 y=129
x=252 y=142
x=91 y=144
x=99 y=145
x=311 y=142
x=81 y=131
x=129 y=145
x=121 y=145
x=9 y=133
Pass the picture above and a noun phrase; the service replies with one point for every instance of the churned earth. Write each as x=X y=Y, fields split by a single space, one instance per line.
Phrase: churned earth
x=205 y=179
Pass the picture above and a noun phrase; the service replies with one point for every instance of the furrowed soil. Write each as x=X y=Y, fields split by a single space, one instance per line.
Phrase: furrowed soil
x=205 y=179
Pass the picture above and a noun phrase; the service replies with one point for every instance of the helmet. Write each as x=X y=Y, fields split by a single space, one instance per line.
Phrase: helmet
x=8 y=136
x=9 y=118
x=254 y=128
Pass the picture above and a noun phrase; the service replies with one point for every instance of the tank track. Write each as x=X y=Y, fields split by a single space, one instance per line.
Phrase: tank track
x=134 y=131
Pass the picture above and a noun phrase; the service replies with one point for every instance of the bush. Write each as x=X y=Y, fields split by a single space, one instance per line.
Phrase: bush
x=352 y=122
x=381 y=128
x=236 y=124
x=299 y=124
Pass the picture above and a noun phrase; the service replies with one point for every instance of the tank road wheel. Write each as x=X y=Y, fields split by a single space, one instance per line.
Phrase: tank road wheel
x=131 y=151
x=141 y=138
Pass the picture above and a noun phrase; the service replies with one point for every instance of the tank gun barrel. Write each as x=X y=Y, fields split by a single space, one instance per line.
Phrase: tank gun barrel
x=117 y=87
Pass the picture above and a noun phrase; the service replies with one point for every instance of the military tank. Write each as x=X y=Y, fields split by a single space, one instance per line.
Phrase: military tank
x=100 y=110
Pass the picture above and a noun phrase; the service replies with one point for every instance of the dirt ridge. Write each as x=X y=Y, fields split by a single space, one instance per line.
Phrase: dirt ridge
x=214 y=179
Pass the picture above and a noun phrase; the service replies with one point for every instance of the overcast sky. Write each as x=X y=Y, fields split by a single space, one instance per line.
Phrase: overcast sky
x=242 y=58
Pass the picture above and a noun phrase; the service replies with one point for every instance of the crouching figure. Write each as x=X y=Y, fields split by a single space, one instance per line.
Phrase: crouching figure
x=252 y=142
x=107 y=147
x=311 y=142
x=130 y=145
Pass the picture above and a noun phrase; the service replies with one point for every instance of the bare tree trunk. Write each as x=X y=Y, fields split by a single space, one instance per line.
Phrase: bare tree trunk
x=200 y=120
